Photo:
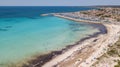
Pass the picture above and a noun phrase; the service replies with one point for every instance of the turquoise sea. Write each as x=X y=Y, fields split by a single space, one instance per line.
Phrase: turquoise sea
x=24 y=33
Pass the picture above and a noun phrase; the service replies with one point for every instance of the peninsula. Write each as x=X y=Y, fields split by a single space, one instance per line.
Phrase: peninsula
x=87 y=52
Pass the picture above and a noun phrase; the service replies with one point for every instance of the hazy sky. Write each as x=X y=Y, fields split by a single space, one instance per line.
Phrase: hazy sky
x=57 y=2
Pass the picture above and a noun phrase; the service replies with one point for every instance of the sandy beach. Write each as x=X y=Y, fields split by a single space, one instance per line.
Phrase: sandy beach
x=87 y=52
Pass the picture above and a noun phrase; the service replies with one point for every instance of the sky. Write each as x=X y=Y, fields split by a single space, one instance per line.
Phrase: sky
x=58 y=2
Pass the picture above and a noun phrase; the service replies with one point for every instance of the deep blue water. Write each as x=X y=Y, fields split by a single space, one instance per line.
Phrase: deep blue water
x=24 y=33
x=35 y=11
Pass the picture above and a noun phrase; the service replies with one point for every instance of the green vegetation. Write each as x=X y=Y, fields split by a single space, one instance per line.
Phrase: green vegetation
x=118 y=64
x=115 y=49
x=84 y=12
x=112 y=52
x=117 y=44
x=99 y=14
x=104 y=13
x=118 y=19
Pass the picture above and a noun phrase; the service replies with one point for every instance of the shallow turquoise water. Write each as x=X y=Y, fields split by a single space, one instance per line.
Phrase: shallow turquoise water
x=21 y=38
x=24 y=33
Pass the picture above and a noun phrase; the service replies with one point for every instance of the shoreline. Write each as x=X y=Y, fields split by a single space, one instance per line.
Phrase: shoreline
x=55 y=61
x=101 y=45
x=43 y=59
x=85 y=52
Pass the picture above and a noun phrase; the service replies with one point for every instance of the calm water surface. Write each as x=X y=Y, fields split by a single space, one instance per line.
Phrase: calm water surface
x=24 y=33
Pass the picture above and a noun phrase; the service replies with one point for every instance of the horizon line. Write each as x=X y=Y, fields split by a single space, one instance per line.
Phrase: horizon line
x=61 y=5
